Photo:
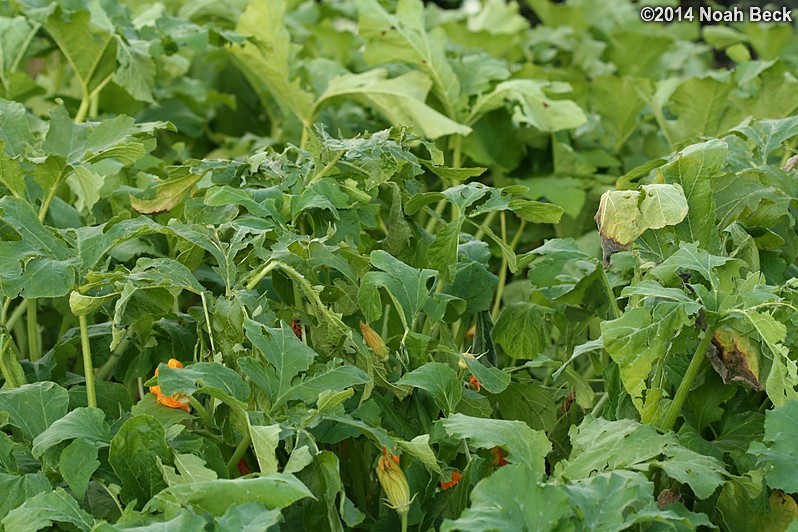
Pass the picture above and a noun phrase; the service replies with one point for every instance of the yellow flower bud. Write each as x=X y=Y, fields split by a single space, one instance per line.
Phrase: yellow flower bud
x=375 y=343
x=462 y=364
x=394 y=482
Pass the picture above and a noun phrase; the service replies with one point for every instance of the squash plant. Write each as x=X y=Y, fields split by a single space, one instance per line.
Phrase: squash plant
x=373 y=265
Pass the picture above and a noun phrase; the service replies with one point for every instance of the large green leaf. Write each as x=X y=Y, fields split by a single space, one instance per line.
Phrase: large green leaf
x=87 y=424
x=498 y=503
x=531 y=106
x=216 y=496
x=45 y=509
x=267 y=58
x=440 y=381
x=777 y=453
x=134 y=455
x=642 y=337
x=406 y=286
x=404 y=37
x=87 y=44
x=40 y=264
x=523 y=330
x=401 y=100
x=34 y=407
x=285 y=353
x=694 y=169
x=524 y=445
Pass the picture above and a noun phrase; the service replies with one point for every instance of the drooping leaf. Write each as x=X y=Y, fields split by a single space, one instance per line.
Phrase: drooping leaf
x=216 y=496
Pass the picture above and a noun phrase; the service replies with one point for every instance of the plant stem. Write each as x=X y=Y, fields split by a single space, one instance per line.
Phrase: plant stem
x=105 y=370
x=260 y=275
x=502 y=272
x=326 y=169
x=616 y=311
x=88 y=369
x=34 y=349
x=8 y=372
x=439 y=208
x=83 y=110
x=238 y=454
x=404 y=521
x=485 y=223
x=196 y=405
x=15 y=316
x=693 y=369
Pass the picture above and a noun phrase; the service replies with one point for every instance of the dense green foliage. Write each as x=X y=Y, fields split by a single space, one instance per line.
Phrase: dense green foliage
x=367 y=231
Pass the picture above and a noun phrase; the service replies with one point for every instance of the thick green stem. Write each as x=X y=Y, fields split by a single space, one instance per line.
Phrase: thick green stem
x=15 y=316
x=105 y=370
x=34 y=349
x=699 y=357
x=88 y=369
x=238 y=454
x=404 y=521
x=83 y=110
x=616 y=311
x=196 y=405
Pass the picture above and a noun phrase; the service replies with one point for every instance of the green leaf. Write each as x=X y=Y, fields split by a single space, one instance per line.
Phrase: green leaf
x=77 y=464
x=700 y=106
x=530 y=105
x=523 y=330
x=167 y=194
x=273 y=491
x=693 y=169
x=401 y=100
x=202 y=377
x=265 y=440
x=692 y=258
x=14 y=129
x=406 y=286
x=45 y=509
x=440 y=381
x=18 y=489
x=492 y=379
x=610 y=501
x=249 y=516
x=529 y=402
x=524 y=445
x=34 y=407
x=641 y=337
x=268 y=57
x=637 y=447
x=38 y=265
x=134 y=455
x=87 y=424
x=497 y=503
x=136 y=72
x=777 y=452
x=89 y=48
x=404 y=37
x=85 y=184
x=190 y=469
x=12 y=176
x=286 y=354
x=331 y=377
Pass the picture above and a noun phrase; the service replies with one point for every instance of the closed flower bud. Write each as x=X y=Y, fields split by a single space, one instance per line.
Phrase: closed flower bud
x=375 y=342
x=394 y=482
